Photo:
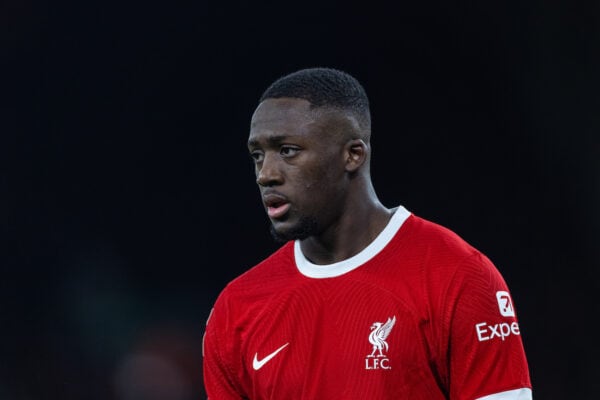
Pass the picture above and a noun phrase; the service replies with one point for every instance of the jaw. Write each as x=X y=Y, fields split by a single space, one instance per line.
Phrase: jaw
x=293 y=228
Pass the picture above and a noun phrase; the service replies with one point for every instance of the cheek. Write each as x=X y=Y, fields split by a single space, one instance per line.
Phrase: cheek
x=322 y=175
x=317 y=179
x=322 y=187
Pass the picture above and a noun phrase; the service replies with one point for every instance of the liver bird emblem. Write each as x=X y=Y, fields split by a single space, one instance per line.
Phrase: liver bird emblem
x=380 y=332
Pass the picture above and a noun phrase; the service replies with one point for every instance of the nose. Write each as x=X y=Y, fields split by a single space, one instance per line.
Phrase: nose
x=268 y=173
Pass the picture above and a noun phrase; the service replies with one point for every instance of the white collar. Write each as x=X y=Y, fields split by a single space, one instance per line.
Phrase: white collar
x=341 y=267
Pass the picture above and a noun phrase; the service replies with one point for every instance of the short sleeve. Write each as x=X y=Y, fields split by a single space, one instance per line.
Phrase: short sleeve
x=486 y=354
x=219 y=381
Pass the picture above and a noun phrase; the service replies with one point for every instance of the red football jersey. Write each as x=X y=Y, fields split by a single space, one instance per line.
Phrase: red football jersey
x=418 y=314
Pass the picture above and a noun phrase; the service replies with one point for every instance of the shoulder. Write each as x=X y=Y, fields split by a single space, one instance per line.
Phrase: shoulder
x=442 y=257
x=269 y=269
x=437 y=242
x=454 y=269
x=261 y=278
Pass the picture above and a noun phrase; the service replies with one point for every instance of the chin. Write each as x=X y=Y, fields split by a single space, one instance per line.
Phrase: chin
x=305 y=228
x=280 y=236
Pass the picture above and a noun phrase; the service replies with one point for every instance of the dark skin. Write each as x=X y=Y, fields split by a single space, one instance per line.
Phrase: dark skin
x=312 y=168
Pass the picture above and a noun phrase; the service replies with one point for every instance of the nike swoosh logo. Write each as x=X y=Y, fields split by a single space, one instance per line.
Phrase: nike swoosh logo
x=256 y=364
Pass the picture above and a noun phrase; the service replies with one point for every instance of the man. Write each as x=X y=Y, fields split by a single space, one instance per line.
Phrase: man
x=361 y=301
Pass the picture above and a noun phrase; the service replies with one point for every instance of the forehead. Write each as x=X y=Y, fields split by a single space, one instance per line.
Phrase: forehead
x=282 y=117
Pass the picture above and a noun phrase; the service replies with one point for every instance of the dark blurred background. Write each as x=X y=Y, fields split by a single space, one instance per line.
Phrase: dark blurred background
x=128 y=199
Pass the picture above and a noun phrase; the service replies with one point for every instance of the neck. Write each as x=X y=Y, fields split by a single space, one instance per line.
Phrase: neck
x=356 y=228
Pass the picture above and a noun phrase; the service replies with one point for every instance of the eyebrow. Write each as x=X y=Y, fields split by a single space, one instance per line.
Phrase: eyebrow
x=271 y=140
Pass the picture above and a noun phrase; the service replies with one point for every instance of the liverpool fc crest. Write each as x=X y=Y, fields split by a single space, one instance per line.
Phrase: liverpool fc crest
x=379 y=333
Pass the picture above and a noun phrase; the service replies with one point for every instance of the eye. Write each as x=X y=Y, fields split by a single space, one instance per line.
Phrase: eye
x=257 y=156
x=288 y=151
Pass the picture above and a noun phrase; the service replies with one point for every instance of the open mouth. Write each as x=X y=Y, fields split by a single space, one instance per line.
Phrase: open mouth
x=276 y=205
x=277 y=211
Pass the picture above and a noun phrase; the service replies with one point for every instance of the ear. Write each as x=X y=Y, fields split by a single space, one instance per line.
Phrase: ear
x=356 y=152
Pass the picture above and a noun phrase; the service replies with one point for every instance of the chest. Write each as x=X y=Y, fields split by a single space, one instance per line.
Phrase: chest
x=323 y=339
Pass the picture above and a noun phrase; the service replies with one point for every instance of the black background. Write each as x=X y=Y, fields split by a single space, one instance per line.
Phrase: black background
x=129 y=199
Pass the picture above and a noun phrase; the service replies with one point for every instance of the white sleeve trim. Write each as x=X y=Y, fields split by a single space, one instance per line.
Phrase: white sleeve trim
x=517 y=394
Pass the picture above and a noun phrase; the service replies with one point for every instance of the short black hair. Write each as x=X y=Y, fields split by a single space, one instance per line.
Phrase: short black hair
x=324 y=87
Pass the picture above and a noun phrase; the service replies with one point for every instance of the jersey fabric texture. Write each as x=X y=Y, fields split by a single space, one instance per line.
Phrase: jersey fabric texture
x=419 y=314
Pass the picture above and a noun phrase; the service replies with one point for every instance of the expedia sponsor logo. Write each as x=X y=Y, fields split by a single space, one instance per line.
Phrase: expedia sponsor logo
x=501 y=331
x=505 y=304
x=486 y=331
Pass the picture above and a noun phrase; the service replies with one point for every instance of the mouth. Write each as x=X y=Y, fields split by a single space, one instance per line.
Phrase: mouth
x=277 y=206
